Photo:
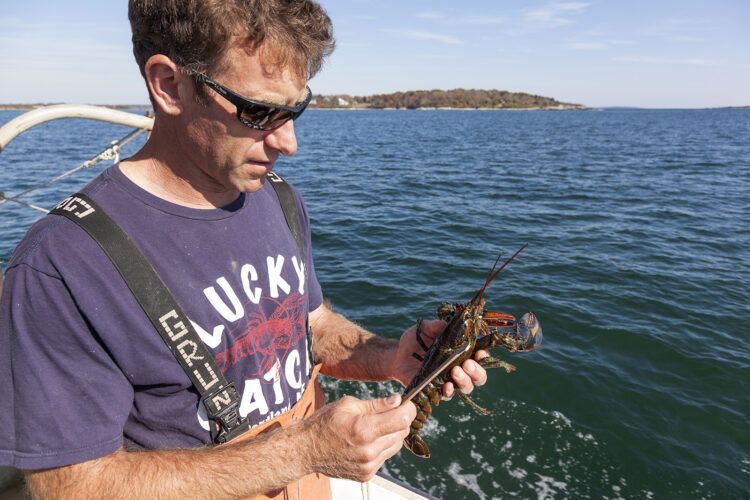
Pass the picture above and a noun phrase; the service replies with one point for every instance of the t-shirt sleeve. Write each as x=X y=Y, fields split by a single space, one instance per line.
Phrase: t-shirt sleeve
x=64 y=400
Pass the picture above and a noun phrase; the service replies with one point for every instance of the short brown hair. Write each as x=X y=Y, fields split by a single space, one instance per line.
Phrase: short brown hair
x=194 y=33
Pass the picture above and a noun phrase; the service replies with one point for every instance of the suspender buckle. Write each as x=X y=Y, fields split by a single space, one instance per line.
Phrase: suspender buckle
x=224 y=418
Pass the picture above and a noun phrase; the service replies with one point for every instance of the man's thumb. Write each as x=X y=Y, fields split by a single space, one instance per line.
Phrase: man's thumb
x=384 y=404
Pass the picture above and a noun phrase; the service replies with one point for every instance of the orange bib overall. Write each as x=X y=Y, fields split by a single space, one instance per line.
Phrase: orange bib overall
x=311 y=487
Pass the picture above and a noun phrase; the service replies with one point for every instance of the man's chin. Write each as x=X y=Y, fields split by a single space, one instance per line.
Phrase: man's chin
x=251 y=185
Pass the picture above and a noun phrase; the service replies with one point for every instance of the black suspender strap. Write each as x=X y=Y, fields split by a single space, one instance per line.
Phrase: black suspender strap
x=289 y=207
x=220 y=398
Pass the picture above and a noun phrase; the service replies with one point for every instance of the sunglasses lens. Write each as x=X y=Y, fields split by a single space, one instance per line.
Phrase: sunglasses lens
x=265 y=118
x=254 y=114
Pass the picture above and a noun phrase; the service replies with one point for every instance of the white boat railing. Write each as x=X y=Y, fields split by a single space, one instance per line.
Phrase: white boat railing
x=21 y=123
x=24 y=122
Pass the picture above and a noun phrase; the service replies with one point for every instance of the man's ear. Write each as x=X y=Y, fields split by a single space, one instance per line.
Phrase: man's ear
x=166 y=84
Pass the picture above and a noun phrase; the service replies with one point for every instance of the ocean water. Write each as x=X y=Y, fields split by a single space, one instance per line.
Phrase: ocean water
x=638 y=224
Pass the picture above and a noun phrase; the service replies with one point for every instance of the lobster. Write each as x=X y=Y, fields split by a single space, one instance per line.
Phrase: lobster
x=465 y=323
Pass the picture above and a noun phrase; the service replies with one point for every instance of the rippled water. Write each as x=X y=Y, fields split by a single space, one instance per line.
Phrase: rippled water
x=638 y=269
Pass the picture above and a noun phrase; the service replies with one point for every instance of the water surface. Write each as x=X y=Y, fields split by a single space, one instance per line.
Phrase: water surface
x=637 y=268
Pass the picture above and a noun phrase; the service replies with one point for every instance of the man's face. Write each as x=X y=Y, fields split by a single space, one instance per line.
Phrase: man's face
x=225 y=155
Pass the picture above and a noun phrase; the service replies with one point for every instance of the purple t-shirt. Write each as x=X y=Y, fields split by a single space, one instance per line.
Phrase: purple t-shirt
x=83 y=369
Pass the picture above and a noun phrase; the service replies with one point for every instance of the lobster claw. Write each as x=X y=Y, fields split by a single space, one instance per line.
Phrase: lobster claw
x=530 y=332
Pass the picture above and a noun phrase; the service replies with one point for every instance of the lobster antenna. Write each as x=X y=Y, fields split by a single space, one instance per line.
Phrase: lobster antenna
x=489 y=278
x=494 y=273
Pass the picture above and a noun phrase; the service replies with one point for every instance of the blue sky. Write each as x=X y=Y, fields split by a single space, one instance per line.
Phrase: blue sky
x=651 y=54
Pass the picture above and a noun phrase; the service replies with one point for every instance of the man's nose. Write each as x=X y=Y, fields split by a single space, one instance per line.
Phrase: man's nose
x=283 y=139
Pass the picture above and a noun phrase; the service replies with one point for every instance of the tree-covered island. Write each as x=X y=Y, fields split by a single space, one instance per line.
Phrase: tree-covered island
x=413 y=99
x=442 y=99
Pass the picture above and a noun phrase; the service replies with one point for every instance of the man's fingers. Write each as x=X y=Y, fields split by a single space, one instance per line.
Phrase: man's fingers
x=476 y=373
x=432 y=328
x=465 y=378
x=462 y=381
x=383 y=449
x=392 y=447
x=385 y=416
x=448 y=391
x=480 y=355
x=391 y=443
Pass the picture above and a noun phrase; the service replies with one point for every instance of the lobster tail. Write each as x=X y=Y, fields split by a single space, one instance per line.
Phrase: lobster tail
x=417 y=445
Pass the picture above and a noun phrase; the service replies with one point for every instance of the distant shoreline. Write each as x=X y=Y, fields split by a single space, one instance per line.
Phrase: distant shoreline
x=28 y=107
x=447 y=108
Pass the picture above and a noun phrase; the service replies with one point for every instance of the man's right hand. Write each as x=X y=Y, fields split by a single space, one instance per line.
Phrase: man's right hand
x=351 y=438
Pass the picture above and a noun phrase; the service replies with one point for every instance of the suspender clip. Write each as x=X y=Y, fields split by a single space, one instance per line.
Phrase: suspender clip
x=226 y=424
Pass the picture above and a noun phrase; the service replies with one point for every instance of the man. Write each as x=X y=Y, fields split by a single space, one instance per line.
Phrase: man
x=94 y=404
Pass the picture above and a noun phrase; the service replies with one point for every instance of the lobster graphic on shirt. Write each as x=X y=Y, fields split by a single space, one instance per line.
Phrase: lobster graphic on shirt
x=264 y=335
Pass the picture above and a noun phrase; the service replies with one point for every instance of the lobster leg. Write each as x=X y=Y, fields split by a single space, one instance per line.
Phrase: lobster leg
x=423 y=406
x=471 y=403
x=419 y=334
x=432 y=393
x=490 y=362
x=440 y=381
x=485 y=343
x=419 y=340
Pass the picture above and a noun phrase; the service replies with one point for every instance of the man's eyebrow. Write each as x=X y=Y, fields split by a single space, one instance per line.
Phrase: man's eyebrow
x=278 y=99
x=306 y=93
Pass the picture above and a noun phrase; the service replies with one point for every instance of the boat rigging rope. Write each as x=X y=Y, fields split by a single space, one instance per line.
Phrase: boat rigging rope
x=110 y=153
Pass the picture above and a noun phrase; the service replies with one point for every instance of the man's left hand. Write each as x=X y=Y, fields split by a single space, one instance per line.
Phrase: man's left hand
x=405 y=366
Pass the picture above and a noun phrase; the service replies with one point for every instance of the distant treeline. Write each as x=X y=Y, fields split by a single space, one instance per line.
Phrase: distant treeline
x=458 y=98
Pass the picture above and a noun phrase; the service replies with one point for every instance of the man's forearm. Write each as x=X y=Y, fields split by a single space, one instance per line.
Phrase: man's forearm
x=261 y=464
x=348 y=438
x=348 y=351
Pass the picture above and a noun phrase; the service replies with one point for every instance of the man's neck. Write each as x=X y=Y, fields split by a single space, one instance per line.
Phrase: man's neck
x=174 y=179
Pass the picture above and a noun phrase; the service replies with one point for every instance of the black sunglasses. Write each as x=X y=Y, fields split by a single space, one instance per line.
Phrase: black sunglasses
x=258 y=115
